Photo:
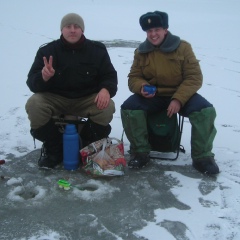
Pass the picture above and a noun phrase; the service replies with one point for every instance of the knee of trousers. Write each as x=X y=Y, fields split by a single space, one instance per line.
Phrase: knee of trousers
x=33 y=103
x=38 y=114
x=103 y=116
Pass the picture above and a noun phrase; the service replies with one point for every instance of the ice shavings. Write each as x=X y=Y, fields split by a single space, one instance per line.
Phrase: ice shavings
x=100 y=190
x=13 y=181
x=45 y=235
x=23 y=193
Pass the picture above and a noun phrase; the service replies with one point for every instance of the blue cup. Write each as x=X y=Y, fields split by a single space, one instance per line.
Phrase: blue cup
x=149 y=89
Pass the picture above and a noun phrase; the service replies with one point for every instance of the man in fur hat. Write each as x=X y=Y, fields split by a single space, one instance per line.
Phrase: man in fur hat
x=168 y=63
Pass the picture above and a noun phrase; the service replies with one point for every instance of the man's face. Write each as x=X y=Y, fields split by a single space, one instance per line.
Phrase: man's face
x=72 y=33
x=156 y=35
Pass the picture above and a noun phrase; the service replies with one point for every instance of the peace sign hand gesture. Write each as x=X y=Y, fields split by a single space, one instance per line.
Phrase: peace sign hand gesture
x=47 y=71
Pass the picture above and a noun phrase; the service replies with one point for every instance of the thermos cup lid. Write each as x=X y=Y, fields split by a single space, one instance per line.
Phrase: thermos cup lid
x=70 y=128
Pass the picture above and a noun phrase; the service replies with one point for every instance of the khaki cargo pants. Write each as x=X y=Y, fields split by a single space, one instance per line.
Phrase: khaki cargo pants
x=41 y=107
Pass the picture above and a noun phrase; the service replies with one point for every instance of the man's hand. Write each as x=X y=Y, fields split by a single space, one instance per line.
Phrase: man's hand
x=47 y=71
x=102 y=99
x=174 y=107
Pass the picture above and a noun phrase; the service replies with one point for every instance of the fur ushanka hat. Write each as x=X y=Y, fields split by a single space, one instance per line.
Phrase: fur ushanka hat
x=153 y=20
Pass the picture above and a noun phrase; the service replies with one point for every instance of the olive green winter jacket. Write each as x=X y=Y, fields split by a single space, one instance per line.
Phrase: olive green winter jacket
x=172 y=68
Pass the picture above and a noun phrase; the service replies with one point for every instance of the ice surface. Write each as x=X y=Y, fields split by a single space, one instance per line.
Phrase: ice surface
x=165 y=200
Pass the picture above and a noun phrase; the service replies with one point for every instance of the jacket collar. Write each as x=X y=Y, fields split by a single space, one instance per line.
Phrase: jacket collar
x=170 y=43
x=75 y=46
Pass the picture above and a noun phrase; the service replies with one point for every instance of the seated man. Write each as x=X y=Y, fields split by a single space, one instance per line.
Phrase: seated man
x=167 y=62
x=70 y=76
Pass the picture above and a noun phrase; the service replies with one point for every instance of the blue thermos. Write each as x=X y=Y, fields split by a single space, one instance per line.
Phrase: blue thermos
x=71 y=147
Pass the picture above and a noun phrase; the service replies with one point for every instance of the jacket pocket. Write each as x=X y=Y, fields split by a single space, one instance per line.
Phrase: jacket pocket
x=147 y=68
x=78 y=77
x=87 y=73
x=174 y=68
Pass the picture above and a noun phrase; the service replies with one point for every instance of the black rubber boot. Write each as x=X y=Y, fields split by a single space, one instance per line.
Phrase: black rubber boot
x=139 y=160
x=52 y=148
x=92 y=132
x=206 y=165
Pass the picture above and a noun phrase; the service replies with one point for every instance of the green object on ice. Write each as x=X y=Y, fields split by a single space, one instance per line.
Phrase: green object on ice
x=64 y=184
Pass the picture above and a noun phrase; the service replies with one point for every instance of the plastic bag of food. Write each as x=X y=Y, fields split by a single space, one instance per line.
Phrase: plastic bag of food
x=104 y=157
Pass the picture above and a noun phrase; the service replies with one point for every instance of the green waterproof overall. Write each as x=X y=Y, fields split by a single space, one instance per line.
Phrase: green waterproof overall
x=202 y=134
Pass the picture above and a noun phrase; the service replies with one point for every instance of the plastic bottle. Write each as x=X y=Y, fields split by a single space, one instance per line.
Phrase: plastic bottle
x=71 y=147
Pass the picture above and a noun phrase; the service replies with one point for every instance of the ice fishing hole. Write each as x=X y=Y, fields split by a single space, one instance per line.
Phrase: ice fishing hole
x=89 y=187
x=27 y=194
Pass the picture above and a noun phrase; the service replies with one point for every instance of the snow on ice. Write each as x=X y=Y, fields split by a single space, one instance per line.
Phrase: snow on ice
x=198 y=207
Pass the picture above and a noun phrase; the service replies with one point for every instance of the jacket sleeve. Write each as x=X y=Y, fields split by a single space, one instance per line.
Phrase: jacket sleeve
x=35 y=81
x=107 y=74
x=135 y=77
x=191 y=74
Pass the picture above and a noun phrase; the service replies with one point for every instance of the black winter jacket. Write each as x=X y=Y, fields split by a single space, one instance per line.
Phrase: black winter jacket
x=78 y=73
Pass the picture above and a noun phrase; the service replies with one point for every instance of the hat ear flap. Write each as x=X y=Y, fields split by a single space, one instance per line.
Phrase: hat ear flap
x=142 y=17
x=161 y=20
x=164 y=18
